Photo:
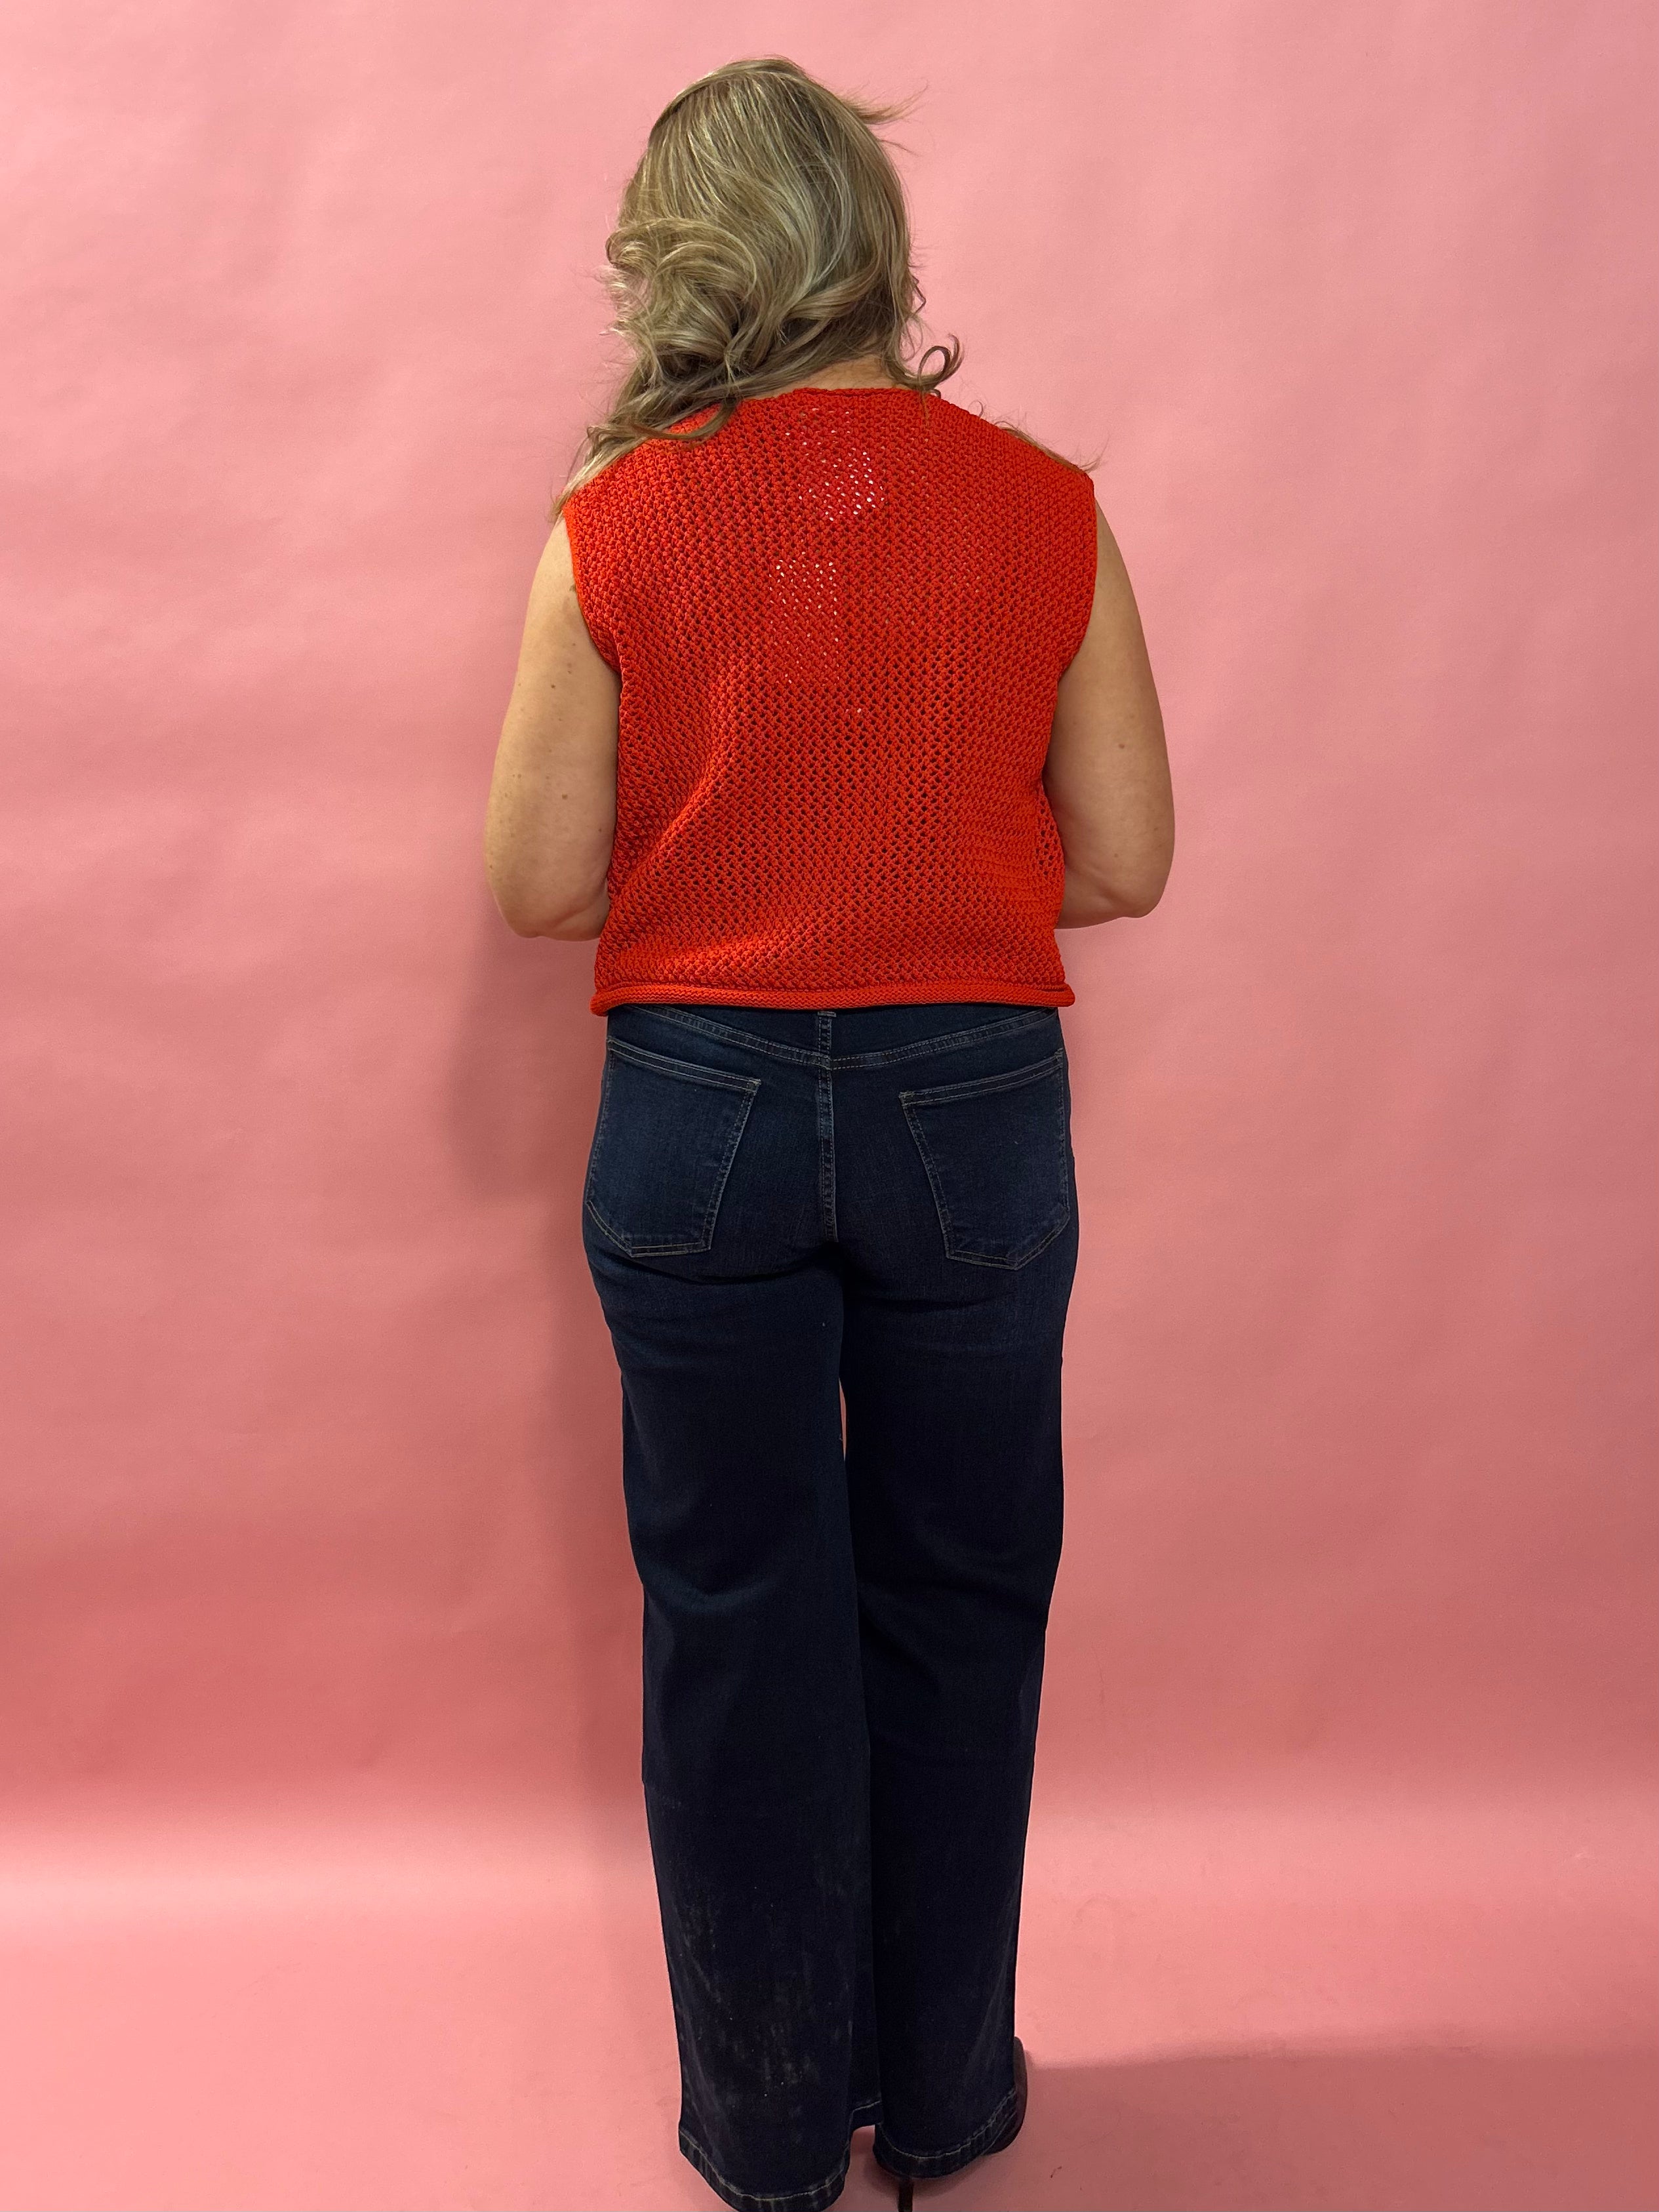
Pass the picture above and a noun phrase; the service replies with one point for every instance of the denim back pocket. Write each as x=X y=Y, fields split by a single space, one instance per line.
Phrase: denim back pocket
x=997 y=1155
x=667 y=1136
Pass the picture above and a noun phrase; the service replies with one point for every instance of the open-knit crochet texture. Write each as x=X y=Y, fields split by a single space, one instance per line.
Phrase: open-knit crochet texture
x=840 y=624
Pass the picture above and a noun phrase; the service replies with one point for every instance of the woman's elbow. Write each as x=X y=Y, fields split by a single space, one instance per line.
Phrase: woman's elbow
x=578 y=928
x=1140 y=897
x=571 y=920
x=1088 y=901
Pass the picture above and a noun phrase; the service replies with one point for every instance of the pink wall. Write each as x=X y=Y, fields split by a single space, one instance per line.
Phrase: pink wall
x=311 y=1469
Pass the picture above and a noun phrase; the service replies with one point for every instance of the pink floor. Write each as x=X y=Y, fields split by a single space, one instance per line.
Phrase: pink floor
x=1432 y=2003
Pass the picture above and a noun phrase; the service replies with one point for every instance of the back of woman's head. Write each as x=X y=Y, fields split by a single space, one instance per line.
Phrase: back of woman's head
x=762 y=238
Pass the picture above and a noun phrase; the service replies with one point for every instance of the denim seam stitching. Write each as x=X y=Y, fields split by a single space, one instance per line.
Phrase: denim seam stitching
x=1015 y=1259
x=642 y=1251
x=748 y=1084
x=738 y=1128
x=813 y=2189
x=826 y=1106
x=827 y=1161
x=684 y=1071
x=982 y=1086
x=989 y=1085
x=598 y=1133
x=954 y=2150
x=953 y=1041
x=956 y=1041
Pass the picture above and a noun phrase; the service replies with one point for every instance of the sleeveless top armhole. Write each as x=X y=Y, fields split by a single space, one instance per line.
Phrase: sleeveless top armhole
x=588 y=591
x=1090 y=571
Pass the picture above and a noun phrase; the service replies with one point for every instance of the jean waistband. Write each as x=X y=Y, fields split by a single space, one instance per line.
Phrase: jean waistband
x=842 y=1038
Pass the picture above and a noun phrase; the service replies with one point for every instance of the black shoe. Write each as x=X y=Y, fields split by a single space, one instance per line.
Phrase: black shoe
x=1016 y=2121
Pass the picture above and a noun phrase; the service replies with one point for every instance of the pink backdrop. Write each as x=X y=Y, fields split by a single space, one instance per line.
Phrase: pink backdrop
x=320 y=1703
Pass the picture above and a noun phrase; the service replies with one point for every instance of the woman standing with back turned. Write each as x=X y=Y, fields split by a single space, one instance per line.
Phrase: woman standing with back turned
x=833 y=704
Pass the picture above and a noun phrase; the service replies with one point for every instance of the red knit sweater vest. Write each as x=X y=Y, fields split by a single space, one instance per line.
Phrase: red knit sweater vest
x=839 y=623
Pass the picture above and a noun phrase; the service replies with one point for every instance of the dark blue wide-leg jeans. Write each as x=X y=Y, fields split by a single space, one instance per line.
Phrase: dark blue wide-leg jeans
x=843 y=1634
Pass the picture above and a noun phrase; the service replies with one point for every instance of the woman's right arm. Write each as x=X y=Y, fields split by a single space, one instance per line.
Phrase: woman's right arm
x=1108 y=773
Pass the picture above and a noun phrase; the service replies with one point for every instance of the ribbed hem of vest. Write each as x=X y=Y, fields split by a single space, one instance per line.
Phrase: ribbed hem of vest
x=967 y=990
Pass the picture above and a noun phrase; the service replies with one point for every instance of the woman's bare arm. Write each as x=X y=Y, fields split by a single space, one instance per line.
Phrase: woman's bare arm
x=1108 y=773
x=552 y=799
x=552 y=813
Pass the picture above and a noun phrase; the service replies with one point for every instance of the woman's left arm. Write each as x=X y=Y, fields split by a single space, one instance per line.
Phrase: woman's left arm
x=552 y=811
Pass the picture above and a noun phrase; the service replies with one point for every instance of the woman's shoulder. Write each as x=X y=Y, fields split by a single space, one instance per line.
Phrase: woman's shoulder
x=630 y=480
x=990 y=456
x=1010 y=443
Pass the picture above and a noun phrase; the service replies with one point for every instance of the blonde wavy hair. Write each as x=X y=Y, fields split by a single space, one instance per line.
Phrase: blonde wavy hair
x=763 y=237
